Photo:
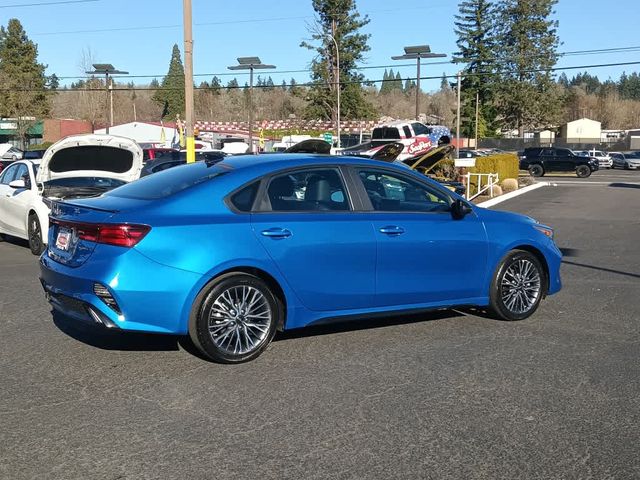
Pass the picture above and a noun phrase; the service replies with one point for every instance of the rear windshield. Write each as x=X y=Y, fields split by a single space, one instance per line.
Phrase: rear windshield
x=385 y=133
x=85 y=182
x=168 y=182
x=92 y=157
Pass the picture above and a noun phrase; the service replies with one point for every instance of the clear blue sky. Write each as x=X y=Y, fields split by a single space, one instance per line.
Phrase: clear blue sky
x=142 y=33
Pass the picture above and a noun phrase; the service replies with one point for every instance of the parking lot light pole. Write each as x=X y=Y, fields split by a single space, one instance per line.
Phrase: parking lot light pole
x=107 y=70
x=251 y=64
x=418 y=52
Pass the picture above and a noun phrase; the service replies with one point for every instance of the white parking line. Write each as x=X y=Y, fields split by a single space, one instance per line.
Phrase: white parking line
x=510 y=195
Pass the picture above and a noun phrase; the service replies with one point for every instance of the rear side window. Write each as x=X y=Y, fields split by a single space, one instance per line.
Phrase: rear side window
x=385 y=133
x=243 y=200
x=169 y=182
x=308 y=191
x=407 y=131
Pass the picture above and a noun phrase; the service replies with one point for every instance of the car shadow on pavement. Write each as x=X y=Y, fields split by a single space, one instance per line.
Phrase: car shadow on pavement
x=624 y=185
x=602 y=269
x=348 y=325
x=100 y=337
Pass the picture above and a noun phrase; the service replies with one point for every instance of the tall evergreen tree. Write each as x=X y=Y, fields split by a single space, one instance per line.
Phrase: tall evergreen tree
x=216 y=85
x=384 y=86
x=397 y=82
x=23 y=96
x=171 y=90
x=528 y=39
x=339 y=18
x=476 y=46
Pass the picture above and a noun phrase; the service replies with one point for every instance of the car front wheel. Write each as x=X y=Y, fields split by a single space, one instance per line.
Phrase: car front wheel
x=583 y=171
x=234 y=318
x=517 y=286
x=536 y=170
x=34 y=233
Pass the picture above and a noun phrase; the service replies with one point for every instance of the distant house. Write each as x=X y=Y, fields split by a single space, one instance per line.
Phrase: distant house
x=583 y=130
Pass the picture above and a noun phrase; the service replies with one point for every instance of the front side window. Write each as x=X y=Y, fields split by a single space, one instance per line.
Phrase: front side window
x=563 y=152
x=420 y=129
x=8 y=175
x=308 y=190
x=390 y=192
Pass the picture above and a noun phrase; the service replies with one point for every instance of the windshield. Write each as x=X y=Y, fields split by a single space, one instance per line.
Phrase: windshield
x=168 y=182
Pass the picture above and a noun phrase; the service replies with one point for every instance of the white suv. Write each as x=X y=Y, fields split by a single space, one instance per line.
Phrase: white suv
x=604 y=159
x=74 y=167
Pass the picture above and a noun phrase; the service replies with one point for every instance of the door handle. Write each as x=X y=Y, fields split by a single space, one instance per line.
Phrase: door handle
x=276 y=233
x=392 y=230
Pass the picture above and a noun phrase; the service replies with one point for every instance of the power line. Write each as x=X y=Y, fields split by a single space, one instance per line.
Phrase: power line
x=628 y=49
x=61 y=2
x=323 y=84
x=200 y=24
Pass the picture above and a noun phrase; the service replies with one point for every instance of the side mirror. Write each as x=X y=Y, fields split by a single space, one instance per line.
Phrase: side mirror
x=17 y=184
x=460 y=209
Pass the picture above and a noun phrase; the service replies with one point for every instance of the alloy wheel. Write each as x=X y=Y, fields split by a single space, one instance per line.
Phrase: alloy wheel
x=520 y=286
x=239 y=320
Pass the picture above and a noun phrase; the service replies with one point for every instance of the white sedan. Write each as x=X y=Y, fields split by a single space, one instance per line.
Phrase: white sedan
x=74 y=167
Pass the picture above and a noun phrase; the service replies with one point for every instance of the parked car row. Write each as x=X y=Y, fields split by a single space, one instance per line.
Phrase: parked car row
x=626 y=160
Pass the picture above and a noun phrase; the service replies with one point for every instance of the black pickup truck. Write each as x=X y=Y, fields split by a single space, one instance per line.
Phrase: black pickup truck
x=539 y=161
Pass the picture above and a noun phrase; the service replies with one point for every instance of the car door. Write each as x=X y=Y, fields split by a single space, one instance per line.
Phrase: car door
x=564 y=160
x=424 y=255
x=305 y=221
x=7 y=176
x=17 y=202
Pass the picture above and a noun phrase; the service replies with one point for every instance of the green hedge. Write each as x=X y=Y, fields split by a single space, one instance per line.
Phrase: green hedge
x=506 y=165
x=40 y=146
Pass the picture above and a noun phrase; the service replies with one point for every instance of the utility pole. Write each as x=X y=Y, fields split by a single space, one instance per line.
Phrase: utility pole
x=110 y=104
x=459 y=75
x=477 y=116
x=188 y=81
x=337 y=76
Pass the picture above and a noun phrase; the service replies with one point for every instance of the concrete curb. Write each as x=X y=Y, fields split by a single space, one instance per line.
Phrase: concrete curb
x=510 y=195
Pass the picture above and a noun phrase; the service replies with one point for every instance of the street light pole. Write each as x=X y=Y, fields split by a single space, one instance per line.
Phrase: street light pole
x=188 y=81
x=107 y=69
x=251 y=64
x=418 y=52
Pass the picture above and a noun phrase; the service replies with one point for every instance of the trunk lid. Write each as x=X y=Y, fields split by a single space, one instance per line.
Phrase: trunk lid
x=66 y=220
x=91 y=155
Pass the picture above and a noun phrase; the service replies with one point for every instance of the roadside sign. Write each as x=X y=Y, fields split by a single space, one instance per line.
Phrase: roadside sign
x=328 y=137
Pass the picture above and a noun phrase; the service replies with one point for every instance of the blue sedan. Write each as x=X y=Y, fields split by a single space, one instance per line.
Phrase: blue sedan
x=230 y=252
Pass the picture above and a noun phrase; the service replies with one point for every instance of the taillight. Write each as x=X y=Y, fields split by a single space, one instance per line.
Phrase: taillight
x=118 y=234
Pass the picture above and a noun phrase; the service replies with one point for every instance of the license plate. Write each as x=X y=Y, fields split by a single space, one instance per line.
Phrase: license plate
x=63 y=238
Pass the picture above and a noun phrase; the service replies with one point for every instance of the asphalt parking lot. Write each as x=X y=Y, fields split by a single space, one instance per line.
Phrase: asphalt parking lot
x=447 y=395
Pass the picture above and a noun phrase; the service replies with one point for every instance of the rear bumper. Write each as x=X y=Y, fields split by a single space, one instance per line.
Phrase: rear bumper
x=150 y=297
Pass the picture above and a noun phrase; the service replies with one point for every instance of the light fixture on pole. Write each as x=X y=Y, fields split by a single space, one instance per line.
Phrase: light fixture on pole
x=417 y=53
x=107 y=69
x=337 y=85
x=251 y=64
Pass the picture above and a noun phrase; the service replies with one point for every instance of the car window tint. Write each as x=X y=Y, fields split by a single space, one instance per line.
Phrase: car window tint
x=407 y=131
x=420 y=129
x=563 y=152
x=8 y=174
x=390 y=192
x=307 y=190
x=243 y=200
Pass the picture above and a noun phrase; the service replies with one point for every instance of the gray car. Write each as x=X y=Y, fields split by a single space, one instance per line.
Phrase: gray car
x=626 y=160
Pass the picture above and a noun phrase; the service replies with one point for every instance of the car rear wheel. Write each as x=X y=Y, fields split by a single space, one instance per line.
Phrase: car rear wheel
x=536 y=170
x=234 y=318
x=34 y=234
x=517 y=286
x=583 y=171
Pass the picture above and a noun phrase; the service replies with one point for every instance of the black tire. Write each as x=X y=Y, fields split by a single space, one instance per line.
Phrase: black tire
x=536 y=170
x=34 y=234
x=583 y=171
x=505 y=301
x=210 y=305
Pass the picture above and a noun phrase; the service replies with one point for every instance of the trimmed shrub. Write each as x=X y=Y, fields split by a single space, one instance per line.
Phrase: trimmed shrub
x=509 y=185
x=506 y=165
x=40 y=146
x=496 y=190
